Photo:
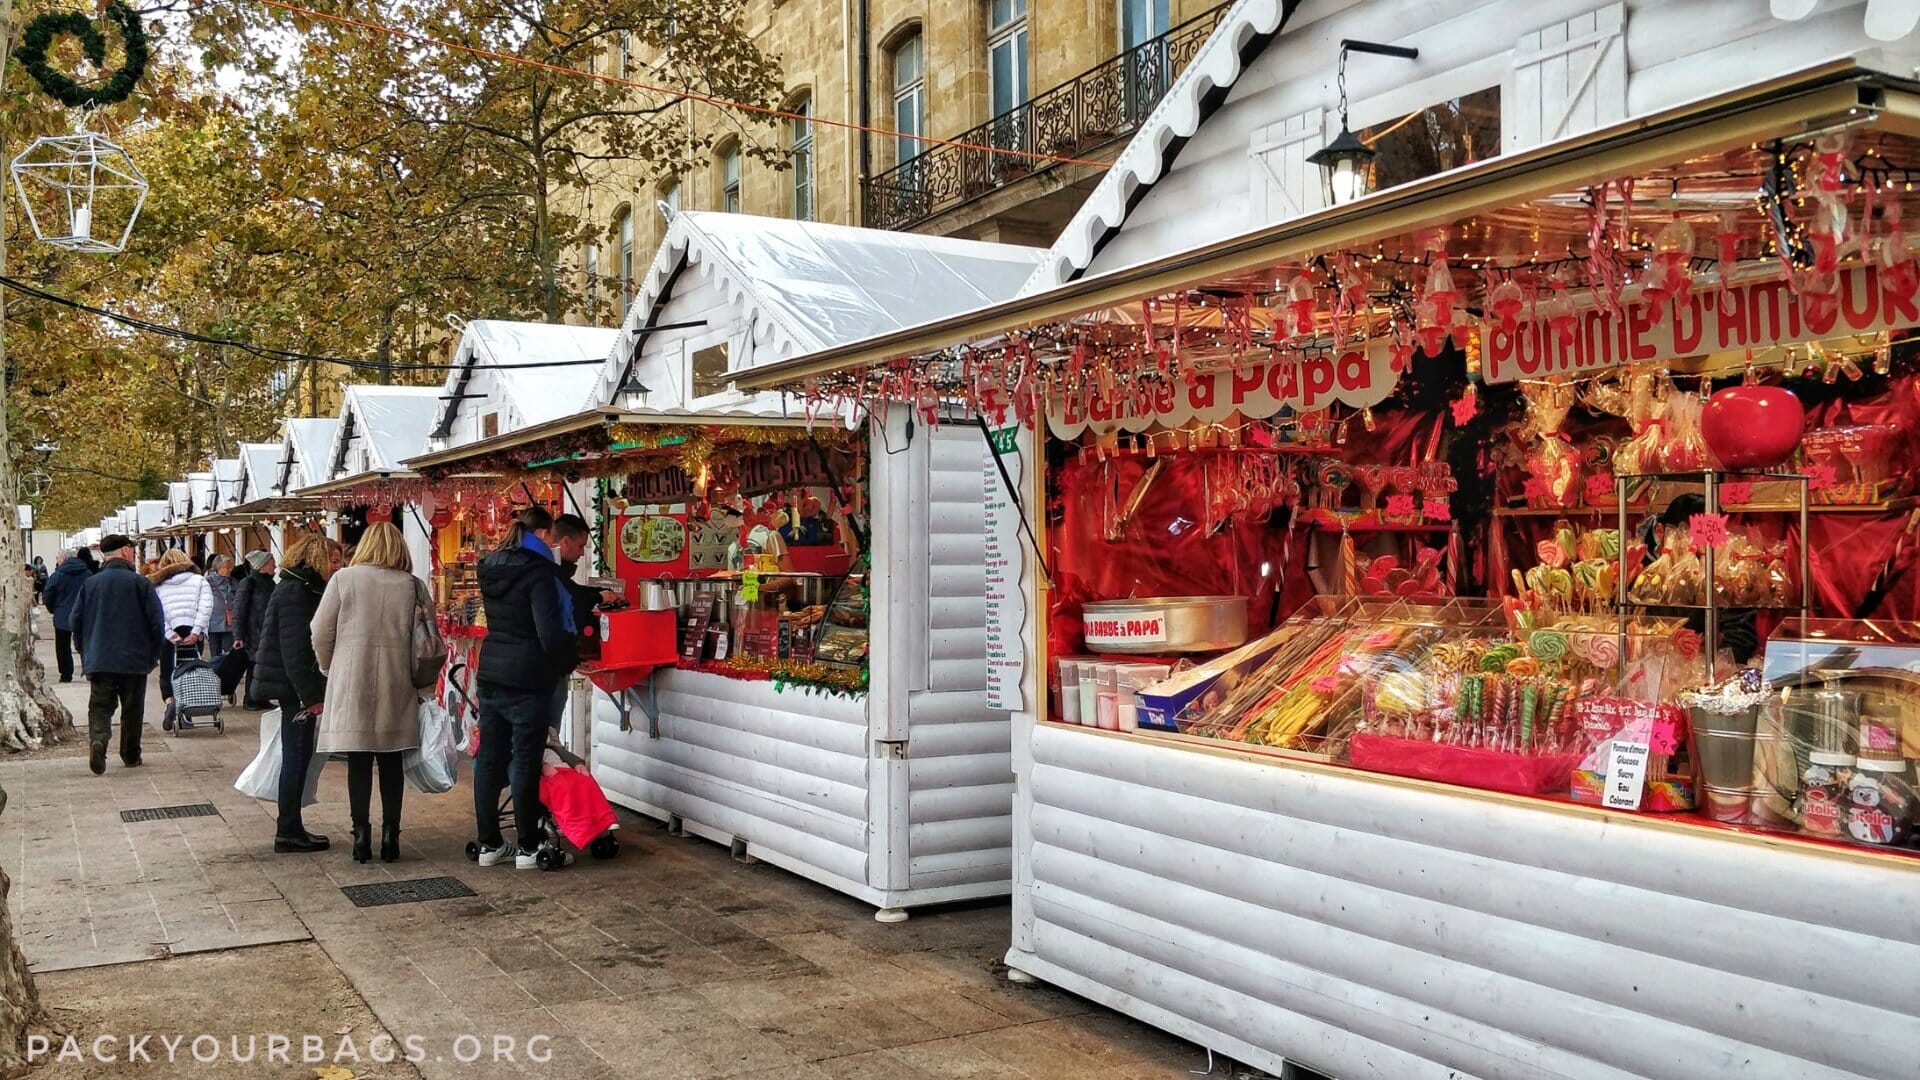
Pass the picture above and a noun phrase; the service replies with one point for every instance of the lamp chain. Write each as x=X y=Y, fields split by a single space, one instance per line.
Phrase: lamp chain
x=1343 y=86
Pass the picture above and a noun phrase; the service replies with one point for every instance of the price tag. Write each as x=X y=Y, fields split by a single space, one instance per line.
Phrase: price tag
x=750 y=586
x=1626 y=775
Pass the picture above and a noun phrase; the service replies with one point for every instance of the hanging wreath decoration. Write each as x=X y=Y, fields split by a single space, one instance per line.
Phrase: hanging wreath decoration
x=45 y=29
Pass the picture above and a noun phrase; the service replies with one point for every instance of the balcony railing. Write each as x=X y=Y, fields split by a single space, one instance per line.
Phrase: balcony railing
x=1107 y=103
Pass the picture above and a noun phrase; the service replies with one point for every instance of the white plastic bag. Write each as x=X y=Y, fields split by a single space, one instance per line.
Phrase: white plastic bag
x=431 y=769
x=261 y=778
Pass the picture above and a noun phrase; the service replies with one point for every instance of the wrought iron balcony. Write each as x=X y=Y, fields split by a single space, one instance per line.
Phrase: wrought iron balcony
x=1098 y=107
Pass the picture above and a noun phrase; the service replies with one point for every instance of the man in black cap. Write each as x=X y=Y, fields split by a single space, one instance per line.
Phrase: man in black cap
x=122 y=632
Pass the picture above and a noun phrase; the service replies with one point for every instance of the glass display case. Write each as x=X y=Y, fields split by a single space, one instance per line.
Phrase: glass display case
x=1835 y=743
x=1446 y=691
x=842 y=639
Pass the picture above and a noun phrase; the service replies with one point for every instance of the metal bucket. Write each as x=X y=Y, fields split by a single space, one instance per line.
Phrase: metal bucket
x=1724 y=746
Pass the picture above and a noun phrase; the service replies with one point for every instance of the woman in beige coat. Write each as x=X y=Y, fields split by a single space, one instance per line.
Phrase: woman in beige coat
x=363 y=638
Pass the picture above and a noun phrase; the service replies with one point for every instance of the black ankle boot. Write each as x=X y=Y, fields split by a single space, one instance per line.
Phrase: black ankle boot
x=362 y=843
x=390 y=843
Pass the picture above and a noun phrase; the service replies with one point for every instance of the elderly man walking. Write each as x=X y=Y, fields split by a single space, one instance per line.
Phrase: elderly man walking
x=119 y=622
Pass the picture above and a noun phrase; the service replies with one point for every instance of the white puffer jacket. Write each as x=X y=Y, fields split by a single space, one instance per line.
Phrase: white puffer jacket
x=186 y=600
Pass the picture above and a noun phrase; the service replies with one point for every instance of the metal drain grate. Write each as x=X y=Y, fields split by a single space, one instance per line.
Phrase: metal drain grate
x=168 y=813
x=382 y=893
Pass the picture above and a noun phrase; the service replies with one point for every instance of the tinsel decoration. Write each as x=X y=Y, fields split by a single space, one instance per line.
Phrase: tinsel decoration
x=41 y=33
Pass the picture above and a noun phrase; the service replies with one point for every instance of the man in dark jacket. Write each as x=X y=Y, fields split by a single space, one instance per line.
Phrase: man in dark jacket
x=120 y=624
x=62 y=591
x=250 y=597
x=286 y=671
x=529 y=649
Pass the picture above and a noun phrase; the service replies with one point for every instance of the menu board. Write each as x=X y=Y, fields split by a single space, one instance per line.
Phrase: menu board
x=1005 y=561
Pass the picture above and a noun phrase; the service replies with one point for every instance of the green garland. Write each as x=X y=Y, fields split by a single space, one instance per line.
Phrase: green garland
x=40 y=36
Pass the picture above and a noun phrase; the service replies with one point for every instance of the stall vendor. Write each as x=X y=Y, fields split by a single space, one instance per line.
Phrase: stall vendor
x=813 y=529
x=756 y=537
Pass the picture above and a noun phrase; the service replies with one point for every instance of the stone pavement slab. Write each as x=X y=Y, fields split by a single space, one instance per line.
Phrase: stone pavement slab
x=668 y=962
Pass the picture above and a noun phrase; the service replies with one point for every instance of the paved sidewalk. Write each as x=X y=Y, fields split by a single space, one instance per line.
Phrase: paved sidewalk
x=669 y=961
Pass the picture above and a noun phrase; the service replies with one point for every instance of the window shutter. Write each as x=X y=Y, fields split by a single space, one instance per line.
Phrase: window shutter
x=1285 y=184
x=1568 y=78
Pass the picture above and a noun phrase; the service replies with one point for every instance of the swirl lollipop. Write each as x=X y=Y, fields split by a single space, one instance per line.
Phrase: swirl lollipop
x=1547 y=646
x=1332 y=476
x=1372 y=479
x=1603 y=651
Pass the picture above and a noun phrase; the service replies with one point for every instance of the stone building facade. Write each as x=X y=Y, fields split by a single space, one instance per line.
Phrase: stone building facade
x=1063 y=78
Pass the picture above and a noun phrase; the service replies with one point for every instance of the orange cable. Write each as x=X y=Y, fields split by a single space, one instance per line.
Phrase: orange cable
x=724 y=103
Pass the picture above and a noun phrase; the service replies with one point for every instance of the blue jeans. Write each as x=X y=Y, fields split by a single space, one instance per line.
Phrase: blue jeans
x=299 y=733
x=221 y=642
x=513 y=738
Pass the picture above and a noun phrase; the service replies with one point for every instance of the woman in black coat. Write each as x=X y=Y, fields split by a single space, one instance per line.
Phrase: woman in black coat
x=286 y=671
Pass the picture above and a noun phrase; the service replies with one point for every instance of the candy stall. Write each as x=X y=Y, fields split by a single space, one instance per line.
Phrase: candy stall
x=1472 y=625
x=760 y=677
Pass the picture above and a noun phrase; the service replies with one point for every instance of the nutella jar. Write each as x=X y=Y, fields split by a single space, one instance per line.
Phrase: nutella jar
x=1821 y=804
x=1880 y=802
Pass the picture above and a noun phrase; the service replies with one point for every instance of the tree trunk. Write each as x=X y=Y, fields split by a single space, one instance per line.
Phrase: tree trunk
x=25 y=716
x=543 y=246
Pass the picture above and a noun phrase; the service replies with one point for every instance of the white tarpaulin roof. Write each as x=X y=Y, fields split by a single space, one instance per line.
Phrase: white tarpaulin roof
x=261 y=470
x=177 y=498
x=311 y=438
x=200 y=489
x=392 y=422
x=226 y=479
x=821 y=285
x=149 y=514
x=549 y=393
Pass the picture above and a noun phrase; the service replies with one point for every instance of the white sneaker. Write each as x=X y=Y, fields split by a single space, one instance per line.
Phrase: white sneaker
x=530 y=860
x=491 y=856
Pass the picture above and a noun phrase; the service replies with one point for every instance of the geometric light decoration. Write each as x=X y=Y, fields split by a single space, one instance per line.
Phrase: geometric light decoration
x=82 y=192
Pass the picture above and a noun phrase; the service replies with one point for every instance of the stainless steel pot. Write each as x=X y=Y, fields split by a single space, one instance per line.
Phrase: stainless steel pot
x=1157 y=625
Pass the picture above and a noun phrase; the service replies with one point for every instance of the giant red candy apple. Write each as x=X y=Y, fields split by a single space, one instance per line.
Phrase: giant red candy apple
x=1752 y=427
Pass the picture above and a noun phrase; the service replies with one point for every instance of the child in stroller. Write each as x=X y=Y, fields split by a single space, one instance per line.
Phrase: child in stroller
x=577 y=815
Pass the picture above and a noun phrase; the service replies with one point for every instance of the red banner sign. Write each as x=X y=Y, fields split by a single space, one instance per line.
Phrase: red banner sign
x=1360 y=376
x=1754 y=315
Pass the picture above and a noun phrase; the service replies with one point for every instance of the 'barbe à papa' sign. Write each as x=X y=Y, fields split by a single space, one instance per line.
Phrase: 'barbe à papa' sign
x=1359 y=376
x=1754 y=315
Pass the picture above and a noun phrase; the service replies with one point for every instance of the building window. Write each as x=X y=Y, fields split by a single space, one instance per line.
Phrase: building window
x=909 y=99
x=710 y=375
x=730 y=178
x=1141 y=21
x=623 y=267
x=670 y=197
x=1446 y=136
x=590 y=262
x=625 y=70
x=1006 y=54
x=800 y=145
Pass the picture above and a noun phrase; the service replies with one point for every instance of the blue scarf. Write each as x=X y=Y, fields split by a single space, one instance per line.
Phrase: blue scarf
x=539 y=547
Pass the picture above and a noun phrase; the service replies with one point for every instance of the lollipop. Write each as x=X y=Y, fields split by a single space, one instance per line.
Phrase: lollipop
x=1687 y=643
x=1523 y=666
x=1333 y=478
x=1372 y=480
x=1551 y=553
x=1495 y=660
x=1547 y=645
x=1603 y=651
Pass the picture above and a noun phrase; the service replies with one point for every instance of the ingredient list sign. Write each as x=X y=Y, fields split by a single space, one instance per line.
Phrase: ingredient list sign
x=1006 y=603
